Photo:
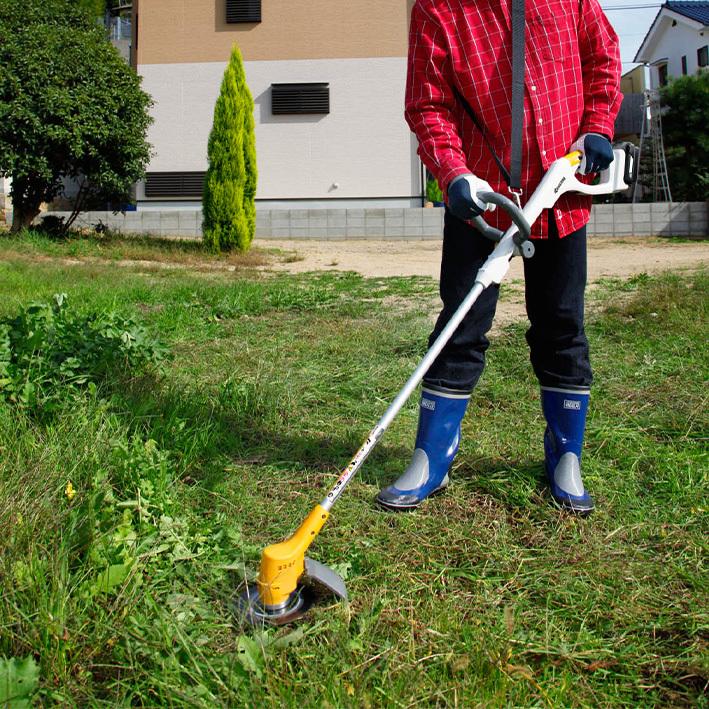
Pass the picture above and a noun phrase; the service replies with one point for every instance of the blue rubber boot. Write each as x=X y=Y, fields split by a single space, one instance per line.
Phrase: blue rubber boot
x=436 y=445
x=565 y=413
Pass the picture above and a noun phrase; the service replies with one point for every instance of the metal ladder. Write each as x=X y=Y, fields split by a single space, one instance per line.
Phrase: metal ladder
x=651 y=132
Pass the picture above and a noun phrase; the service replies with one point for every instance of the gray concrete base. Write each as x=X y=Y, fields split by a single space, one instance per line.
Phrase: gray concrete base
x=650 y=219
x=622 y=220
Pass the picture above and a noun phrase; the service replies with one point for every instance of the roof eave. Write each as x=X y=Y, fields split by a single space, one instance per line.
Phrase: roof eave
x=650 y=36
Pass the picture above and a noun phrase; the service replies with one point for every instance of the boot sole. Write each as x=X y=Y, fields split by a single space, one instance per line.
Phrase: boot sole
x=569 y=507
x=408 y=508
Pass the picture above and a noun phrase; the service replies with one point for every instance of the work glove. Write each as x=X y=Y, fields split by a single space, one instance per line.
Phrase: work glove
x=463 y=200
x=597 y=152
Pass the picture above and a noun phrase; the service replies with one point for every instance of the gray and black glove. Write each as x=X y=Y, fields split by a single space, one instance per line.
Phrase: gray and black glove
x=597 y=152
x=463 y=200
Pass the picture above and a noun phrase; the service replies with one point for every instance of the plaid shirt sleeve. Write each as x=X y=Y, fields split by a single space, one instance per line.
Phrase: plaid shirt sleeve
x=430 y=101
x=600 y=63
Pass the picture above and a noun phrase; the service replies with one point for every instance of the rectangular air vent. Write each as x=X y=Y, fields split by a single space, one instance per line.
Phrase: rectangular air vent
x=174 y=184
x=243 y=11
x=300 y=98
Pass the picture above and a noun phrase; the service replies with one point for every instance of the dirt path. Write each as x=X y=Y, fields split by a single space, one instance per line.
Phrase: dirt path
x=607 y=258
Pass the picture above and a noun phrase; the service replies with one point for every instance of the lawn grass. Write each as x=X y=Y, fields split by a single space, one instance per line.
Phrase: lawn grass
x=31 y=245
x=487 y=596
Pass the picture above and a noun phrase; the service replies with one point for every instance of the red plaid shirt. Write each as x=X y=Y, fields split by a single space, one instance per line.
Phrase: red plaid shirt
x=572 y=87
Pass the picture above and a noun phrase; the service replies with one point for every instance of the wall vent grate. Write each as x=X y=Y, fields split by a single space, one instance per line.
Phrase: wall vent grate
x=174 y=184
x=243 y=11
x=300 y=98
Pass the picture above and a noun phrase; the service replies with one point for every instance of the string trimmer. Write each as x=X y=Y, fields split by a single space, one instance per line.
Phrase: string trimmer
x=288 y=579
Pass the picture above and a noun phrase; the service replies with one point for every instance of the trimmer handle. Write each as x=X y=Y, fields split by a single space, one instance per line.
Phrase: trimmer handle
x=524 y=229
x=632 y=162
x=625 y=155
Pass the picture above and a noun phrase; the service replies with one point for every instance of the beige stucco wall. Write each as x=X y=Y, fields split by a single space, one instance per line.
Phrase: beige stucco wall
x=5 y=204
x=633 y=82
x=189 y=31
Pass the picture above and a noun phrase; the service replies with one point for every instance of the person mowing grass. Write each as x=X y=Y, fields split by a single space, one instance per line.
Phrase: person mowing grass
x=460 y=74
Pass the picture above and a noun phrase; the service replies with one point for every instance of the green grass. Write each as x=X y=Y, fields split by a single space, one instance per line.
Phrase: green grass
x=31 y=245
x=487 y=596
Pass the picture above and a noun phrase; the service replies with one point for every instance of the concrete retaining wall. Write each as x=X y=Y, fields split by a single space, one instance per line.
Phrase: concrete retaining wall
x=647 y=219
x=650 y=219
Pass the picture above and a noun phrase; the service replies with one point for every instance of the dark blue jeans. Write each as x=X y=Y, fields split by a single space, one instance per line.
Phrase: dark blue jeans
x=555 y=281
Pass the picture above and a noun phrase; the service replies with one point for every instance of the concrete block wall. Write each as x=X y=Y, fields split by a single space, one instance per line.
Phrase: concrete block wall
x=349 y=223
x=621 y=220
x=413 y=223
x=185 y=223
x=650 y=219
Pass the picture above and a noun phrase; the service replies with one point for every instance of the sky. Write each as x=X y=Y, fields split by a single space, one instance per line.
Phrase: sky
x=631 y=20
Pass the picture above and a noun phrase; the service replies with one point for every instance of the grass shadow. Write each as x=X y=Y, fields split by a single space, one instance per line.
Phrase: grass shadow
x=212 y=433
x=204 y=431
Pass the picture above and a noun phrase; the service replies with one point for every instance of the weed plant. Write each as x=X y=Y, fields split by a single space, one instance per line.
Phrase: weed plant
x=47 y=352
x=130 y=518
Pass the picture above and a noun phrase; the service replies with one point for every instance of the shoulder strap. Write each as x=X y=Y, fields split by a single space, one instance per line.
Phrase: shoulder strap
x=518 y=32
x=513 y=176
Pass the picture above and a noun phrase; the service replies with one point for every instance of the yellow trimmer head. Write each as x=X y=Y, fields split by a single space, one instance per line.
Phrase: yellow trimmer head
x=288 y=580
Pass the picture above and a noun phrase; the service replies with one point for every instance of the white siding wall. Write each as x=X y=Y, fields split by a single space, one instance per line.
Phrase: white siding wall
x=674 y=43
x=364 y=145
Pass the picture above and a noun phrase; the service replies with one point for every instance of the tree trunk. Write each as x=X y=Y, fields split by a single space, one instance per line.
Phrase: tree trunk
x=22 y=218
x=78 y=206
x=26 y=195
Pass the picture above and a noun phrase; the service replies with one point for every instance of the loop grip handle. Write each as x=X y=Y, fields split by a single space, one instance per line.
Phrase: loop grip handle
x=524 y=228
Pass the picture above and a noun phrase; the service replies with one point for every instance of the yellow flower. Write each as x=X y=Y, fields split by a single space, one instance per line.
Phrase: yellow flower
x=70 y=492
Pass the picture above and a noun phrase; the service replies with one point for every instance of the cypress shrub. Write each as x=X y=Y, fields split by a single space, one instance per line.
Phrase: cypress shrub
x=230 y=185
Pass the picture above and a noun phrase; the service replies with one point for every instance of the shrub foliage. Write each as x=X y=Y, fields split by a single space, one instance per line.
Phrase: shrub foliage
x=686 y=136
x=69 y=107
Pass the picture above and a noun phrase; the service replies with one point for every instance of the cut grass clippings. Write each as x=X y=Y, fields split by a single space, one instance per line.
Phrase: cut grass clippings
x=130 y=517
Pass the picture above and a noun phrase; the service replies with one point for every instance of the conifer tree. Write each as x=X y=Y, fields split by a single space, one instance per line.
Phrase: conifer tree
x=230 y=185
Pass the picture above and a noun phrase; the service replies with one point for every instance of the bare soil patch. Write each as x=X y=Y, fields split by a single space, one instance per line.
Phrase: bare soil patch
x=607 y=258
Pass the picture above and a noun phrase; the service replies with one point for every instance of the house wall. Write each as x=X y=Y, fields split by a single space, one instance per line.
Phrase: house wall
x=187 y=31
x=363 y=145
x=633 y=81
x=629 y=121
x=362 y=150
x=673 y=43
x=5 y=203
